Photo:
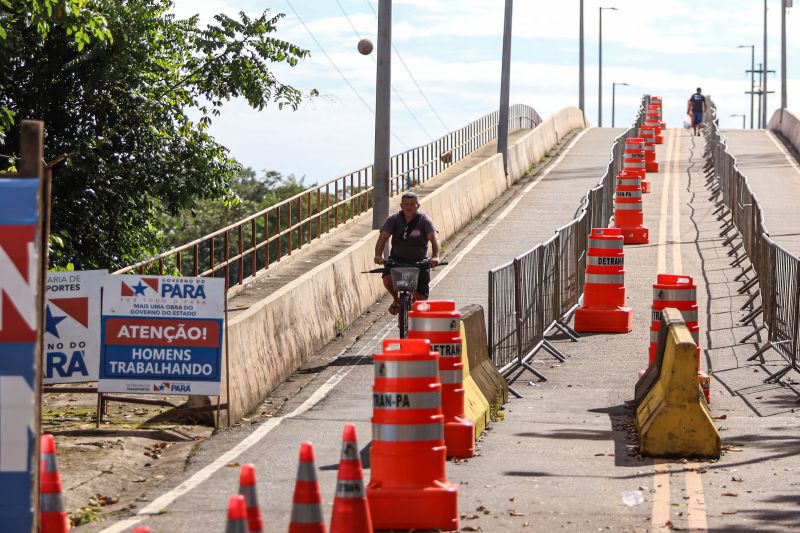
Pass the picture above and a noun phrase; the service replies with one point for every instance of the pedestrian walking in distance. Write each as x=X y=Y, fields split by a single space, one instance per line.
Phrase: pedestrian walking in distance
x=696 y=107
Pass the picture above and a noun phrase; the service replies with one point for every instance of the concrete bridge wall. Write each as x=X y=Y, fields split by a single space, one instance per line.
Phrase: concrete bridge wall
x=273 y=338
x=789 y=126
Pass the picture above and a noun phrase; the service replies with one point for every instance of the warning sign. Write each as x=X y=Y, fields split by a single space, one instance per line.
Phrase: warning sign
x=72 y=326
x=162 y=334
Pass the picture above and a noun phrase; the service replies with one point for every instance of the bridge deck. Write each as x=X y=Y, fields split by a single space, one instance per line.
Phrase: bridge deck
x=774 y=176
x=561 y=458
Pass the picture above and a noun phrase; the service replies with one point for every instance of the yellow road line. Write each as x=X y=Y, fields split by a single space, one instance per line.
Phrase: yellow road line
x=661 y=496
x=697 y=500
x=661 y=263
x=677 y=264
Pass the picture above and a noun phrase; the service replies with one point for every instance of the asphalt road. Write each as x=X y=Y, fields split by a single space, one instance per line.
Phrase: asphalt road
x=560 y=459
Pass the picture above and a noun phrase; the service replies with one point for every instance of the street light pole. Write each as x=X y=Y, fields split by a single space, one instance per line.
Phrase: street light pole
x=752 y=48
x=505 y=83
x=764 y=84
x=785 y=4
x=613 y=101
x=761 y=77
x=383 y=83
x=600 y=69
x=580 y=62
x=743 y=118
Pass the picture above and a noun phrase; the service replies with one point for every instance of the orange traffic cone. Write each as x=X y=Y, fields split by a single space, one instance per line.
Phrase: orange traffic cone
x=603 y=309
x=653 y=118
x=247 y=488
x=350 y=509
x=53 y=518
x=142 y=529
x=680 y=292
x=237 y=515
x=408 y=487
x=440 y=322
x=634 y=160
x=648 y=133
x=628 y=215
x=307 y=502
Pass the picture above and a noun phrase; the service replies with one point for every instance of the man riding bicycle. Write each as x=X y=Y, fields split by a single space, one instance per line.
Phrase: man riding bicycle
x=410 y=231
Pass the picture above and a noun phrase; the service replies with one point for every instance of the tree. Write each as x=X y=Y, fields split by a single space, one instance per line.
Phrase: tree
x=119 y=108
x=81 y=22
x=252 y=194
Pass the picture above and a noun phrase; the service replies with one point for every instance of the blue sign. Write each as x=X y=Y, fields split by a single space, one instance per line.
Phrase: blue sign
x=19 y=280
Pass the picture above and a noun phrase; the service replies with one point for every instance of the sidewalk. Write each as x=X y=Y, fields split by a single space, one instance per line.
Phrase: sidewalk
x=774 y=176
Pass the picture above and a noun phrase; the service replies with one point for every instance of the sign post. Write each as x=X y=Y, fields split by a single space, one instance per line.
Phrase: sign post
x=23 y=265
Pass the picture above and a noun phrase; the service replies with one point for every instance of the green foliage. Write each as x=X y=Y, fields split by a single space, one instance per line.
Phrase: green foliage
x=78 y=19
x=251 y=194
x=119 y=108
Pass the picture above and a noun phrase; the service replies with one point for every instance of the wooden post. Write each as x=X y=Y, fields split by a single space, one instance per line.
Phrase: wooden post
x=31 y=166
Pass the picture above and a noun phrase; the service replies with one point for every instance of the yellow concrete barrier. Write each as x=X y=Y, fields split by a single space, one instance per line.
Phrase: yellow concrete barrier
x=673 y=419
x=485 y=390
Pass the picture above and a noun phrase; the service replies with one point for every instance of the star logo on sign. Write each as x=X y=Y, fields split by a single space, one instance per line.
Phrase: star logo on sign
x=139 y=288
x=52 y=322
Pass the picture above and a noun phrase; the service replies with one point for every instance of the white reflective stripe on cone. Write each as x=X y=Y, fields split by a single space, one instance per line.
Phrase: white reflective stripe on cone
x=653 y=336
x=433 y=324
x=407 y=432
x=688 y=316
x=50 y=462
x=350 y=488
x=696 y=336
x=629 y=194
x=306 y=471
x=249 y=494
x=674 y=295
x=617 y=279
x=406 y=369
x=616 y=244
x=447 y=349
x=629 y=182
x=629 y=207
x=650 y=147
x=406 y=400
x=349 y=450
x=604 y=261
x=307 y=513
x=450 y=377
x=51 y=502
x=635 y=155
x=632 y=164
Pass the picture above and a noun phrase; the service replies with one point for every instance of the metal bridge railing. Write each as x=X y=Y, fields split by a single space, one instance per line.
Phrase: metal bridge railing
x=775 y=270
x=244 y=248
x=540 y=289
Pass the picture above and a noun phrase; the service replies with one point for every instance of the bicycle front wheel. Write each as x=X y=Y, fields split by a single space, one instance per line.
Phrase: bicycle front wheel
x=402 y=316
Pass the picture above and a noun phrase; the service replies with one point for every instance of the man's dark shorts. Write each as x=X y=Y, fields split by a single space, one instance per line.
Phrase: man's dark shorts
x=697 y=118
x=423 y=281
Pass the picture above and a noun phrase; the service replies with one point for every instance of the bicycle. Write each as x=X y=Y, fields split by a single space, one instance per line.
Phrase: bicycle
x=404 y=278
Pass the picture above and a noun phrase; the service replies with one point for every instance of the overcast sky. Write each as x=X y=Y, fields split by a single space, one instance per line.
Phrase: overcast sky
x=453 y=50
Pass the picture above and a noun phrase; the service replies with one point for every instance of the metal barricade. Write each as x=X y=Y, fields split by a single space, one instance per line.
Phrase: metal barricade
x=776 y=271
x=502 y=328
x=548 y=280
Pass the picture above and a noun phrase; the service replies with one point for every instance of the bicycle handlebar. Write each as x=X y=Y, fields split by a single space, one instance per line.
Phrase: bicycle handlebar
x=388 y=265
